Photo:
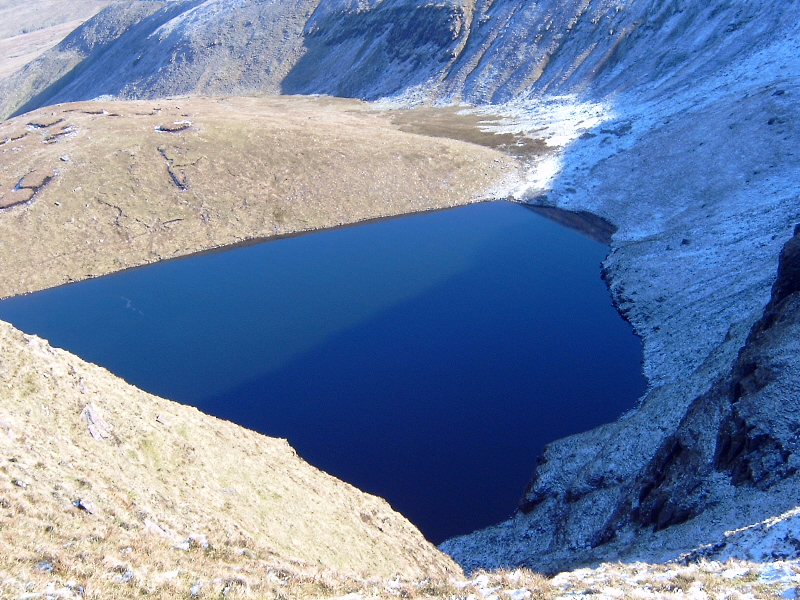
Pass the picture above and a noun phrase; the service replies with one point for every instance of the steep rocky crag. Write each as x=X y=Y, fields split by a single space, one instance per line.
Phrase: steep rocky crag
x=702 y=184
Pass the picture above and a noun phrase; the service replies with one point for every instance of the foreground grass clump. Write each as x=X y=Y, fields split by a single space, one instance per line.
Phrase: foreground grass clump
x=732 y=579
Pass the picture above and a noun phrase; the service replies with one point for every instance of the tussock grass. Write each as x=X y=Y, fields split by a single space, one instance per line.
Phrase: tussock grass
x=705 y=579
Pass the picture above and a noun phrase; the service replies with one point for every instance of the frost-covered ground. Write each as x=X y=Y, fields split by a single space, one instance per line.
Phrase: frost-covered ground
x=703 y=183
x=709 y=580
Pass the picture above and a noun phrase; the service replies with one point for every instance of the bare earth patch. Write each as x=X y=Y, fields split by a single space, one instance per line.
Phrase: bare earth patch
x=91 y=188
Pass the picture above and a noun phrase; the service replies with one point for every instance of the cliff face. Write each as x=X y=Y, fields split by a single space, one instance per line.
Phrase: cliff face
x=702 y=183
x=676 y=121
x=477 y=51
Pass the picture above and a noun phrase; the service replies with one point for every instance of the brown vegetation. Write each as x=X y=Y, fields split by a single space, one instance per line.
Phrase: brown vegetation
x=91 y=188
x=108 y=486
x=18 y=51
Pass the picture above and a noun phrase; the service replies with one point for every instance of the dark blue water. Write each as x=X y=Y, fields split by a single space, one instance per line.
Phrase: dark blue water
x=426 y=359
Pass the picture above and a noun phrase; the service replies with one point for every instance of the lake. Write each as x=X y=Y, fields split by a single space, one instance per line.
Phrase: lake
x=426 y=359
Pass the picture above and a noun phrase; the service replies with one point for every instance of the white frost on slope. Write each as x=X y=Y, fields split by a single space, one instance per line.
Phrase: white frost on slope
x=558 y=121
x=776 y=538
x=703 y=183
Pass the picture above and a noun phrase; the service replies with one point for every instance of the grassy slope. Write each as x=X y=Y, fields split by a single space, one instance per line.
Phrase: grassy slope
x=122 y=193
x=153 y=472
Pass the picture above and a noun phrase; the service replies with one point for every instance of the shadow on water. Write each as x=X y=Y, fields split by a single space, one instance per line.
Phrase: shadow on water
x=442 y=404
x=585 y=223
x=426 y=359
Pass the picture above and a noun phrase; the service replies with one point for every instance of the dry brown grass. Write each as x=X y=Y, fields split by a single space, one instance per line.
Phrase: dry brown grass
x=99 y=482
x=459 y=123
x=92 y=188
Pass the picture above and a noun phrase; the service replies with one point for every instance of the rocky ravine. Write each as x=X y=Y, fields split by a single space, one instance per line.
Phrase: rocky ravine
x=677 y=121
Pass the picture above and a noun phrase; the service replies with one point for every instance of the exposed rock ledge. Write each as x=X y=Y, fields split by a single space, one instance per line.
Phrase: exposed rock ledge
x=704 y=186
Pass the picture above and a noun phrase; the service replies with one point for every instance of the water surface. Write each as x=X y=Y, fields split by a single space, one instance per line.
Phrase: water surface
x=426 y=359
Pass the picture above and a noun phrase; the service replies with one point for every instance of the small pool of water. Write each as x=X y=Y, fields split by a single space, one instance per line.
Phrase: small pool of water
x=426 y=359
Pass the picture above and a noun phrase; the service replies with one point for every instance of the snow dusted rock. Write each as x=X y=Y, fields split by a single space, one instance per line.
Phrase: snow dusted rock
x=478 y=51
x=84 y=504
x=704 y=191
x=777 y=538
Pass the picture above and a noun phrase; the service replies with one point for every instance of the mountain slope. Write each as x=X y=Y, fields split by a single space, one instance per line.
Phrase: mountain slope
x=479 y=52
x=101 y=481
x=703 y=185
x=28 y=30
x=148 y=49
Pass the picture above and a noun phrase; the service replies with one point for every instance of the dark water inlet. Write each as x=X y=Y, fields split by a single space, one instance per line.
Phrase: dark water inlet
x=426 y=359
